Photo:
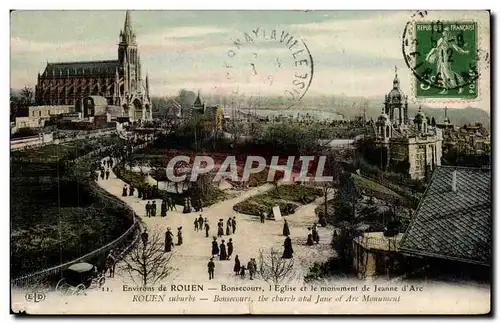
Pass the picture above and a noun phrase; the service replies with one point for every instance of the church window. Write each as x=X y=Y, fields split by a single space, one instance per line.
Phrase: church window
x=39 y=113
x=387 y=131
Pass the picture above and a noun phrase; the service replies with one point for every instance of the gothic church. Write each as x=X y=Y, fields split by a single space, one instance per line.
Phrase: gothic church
x=118 y=81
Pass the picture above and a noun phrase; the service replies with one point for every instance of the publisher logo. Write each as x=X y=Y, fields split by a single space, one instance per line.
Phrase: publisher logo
x=35 y=297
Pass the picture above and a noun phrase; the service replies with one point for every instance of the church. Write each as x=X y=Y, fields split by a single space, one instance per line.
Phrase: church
x=118 y=83
x=412 y=147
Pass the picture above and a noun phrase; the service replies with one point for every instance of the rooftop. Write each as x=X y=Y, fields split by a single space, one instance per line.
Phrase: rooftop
x=453 y=224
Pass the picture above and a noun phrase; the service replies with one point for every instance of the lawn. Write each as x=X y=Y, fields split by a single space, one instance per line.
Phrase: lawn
x=372 y=188
x=288 y=197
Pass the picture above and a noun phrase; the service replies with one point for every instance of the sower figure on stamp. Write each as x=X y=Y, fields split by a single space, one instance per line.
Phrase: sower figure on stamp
x=223 y=253
x=288 y=252
x=286 y=229
x=169 y=240
x=237 y=265
x=111 y=263
x=229 y=248
x=215 y=247
x=211 y=269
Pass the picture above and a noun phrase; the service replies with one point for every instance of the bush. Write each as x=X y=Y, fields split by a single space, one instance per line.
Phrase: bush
x=332 y=267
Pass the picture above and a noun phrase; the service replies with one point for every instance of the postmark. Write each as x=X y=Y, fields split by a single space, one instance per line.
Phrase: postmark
x=264 y=65
x=443 y=57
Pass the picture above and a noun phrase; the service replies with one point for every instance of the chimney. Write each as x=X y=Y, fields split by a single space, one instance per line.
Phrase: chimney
x=454 y=181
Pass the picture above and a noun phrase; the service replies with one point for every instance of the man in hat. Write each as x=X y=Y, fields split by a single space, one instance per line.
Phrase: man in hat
x=148 y=209
x=211 y=269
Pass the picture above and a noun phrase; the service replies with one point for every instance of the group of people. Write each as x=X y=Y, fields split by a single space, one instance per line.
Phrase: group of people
x=166 y=205
x=201 y=224
x=169 y=238
x=230 y=226
x=103 y=168
x=128 y=190
x=197 y=205
x=313 y=236
x=240 y=269
x=224 y=255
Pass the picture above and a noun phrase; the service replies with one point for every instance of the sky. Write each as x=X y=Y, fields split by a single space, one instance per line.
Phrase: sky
x=354 y=52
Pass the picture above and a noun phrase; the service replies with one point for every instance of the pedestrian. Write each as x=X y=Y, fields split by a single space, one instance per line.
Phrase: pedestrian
x=250 y=269
x=131 y=190
x=315 y=235
x=102 y=174
x=111 y=263
x=288 y=251
x=163 y=208
x=220 y=229
x=200 y=204
x=144 y=237
x=148 y=209
x=234 y=224
x=179 y=236
x=207 y=228
x=322 y=221
x=242 y=272
x=223 y=253
x=171 y=204
x=211 y=269
x=169 y=240
x=286 y=229
x=200 y=223
x=107 y=174
x=262 y=217
x=237 y=266
x=309 y=238
x=229 y=226
x=124 y=191
x=196 y=224
x=153 y=209
x=215 y=247
x=229 y=248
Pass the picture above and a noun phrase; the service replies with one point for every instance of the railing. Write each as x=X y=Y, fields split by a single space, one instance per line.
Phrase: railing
x=40 y=275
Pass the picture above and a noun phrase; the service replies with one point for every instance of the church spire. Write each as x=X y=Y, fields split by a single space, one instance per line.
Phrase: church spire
x=128 y=23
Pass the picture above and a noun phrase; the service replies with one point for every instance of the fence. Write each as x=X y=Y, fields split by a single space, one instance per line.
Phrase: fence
x=36 y=277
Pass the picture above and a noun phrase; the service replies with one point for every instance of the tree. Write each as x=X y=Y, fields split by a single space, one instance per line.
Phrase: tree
x=273 y=269
x=27 y=95
x=148 y=263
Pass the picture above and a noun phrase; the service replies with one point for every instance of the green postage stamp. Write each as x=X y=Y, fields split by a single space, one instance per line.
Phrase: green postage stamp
x=445 y=59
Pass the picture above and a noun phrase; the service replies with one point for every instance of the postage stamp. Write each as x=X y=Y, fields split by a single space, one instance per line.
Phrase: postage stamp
x=443 y=59
x=250 y=162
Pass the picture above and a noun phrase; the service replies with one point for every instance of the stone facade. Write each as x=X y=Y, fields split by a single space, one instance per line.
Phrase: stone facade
x=412 y=147
x=119 y=81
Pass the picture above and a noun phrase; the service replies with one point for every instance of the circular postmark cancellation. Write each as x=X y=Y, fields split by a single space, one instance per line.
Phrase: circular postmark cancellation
x=269 y=66
x=443 y=57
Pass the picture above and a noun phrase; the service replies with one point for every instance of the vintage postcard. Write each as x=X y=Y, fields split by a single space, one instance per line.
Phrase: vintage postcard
x=250 y=162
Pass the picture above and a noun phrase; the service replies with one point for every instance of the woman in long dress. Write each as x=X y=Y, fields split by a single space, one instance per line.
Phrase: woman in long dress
x=220 y=229
x=223 y=253
x=229 y=248
x=215 y=247
x=169 y=240
x=288 y=252
x=229 y=226
x=237 y=265
x=286 y=229
x=163 y=208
